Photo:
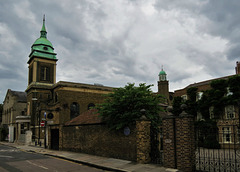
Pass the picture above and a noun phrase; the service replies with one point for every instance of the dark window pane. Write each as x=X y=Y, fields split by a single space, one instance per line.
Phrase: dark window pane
x=74 y=110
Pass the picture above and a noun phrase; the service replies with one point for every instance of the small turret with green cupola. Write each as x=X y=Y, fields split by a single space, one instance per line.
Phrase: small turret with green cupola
x=42 y=60
x=162 y=75
x=163 y=88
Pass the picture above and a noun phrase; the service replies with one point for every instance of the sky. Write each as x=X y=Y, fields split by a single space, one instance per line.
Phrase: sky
x=115 y=42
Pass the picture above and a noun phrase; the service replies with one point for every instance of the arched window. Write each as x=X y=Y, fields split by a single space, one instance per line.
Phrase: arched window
x=74 y=110
x=91 y=105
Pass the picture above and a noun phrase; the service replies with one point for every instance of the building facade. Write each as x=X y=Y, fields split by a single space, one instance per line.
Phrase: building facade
x=14 y=106
x=227 y=118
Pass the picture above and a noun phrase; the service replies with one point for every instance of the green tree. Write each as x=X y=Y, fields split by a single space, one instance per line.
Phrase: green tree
x=122 y=107
x=207 y=134
x=177 y=102
x=191 y=102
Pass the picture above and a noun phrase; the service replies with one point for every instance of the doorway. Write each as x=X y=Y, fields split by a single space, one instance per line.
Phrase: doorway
x=55 y=139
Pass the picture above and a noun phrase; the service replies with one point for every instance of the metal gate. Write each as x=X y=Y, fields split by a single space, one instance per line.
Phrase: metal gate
x=218 y=147
x=157 y=146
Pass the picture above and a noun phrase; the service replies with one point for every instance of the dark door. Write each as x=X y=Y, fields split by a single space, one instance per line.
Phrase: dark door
x=55 y=139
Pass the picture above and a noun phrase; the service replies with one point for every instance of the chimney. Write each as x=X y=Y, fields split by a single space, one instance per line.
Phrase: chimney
x=237 y=68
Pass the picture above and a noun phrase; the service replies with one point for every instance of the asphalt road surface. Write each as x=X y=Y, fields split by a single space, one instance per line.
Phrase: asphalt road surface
x=16 y=160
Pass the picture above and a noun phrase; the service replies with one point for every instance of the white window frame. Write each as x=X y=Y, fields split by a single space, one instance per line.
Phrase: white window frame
x=229 y=93
x=227 y=135
x=199 y=96
x=184 y=97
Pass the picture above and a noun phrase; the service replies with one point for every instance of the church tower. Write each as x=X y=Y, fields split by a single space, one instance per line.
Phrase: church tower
x=163 y=85
x=42 y=60
x=41 y=79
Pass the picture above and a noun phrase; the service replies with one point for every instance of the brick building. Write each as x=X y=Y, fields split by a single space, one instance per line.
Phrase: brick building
x=228 y=121
x=14 y=106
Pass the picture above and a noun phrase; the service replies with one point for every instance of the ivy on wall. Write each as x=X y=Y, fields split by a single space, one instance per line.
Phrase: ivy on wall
x=223 y=92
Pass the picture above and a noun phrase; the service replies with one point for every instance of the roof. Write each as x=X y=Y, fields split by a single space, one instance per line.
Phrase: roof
x=207 y=81
x=43 y=41
x=83 y=85
x=42 y=47
x=72 y=85
x=202 y=83
x=162 y=72
x=88 y=117
x=21 y=96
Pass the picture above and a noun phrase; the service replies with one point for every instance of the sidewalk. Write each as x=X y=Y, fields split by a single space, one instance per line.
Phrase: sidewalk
x=94 y=161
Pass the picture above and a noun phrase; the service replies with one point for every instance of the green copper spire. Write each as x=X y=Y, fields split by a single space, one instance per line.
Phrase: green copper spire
x=42 y=47
x=43 y=31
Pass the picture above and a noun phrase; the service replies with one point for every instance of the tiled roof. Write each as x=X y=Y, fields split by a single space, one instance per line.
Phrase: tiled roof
x=207 y=82
x=21 y=96
x=87 y=117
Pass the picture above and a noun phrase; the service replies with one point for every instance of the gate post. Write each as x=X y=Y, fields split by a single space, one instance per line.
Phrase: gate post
x=185 y=142
x=179 y=142
x=169 y=147
x=143 y=140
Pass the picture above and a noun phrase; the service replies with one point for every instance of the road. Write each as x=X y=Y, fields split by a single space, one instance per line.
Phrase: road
x=16 y=160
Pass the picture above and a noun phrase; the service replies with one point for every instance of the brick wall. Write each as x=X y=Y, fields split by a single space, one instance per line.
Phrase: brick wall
x=99 y=140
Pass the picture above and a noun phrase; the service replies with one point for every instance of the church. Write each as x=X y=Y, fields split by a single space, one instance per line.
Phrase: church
x=49 y=105
x=52 y=104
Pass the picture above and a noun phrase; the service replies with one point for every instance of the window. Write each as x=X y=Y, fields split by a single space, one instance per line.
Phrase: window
x=229 y=111
x=50 y=116
x=184 y=97
x=74 y=110
x=22 y=129
x=211 y=114
x=44 y=73
x=229 y=93
x=226 y=134
x=199 y=96
x=91 y=105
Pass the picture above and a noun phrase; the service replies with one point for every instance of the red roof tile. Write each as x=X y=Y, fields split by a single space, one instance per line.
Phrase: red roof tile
x=88 y=117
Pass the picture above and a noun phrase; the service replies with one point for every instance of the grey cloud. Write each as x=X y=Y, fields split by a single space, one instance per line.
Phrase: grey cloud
x=92 y=48
x=226 y=23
